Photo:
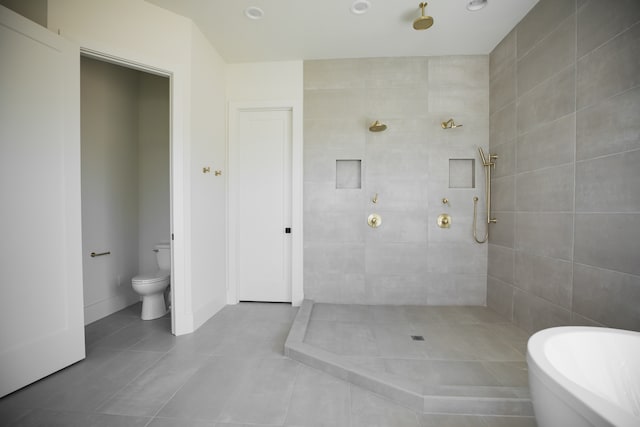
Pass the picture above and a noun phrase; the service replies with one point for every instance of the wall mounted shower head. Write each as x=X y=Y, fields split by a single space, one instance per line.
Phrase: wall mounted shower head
x=450 y=124
x=423 y=22
x=377 y=126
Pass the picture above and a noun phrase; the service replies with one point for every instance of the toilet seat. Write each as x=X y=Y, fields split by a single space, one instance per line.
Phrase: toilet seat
x=147 y=279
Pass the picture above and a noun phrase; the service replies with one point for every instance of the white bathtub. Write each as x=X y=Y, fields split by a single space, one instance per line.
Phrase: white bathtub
x=583 y=376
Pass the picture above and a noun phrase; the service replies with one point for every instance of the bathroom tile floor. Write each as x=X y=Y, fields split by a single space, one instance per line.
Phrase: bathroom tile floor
x=457 y=346
x=230 y=372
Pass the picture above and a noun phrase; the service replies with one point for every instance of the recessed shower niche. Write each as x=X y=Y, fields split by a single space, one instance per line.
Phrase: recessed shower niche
x=462 y=173
x=348 y=174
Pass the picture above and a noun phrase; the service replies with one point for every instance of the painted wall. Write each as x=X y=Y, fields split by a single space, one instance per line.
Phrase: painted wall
x=138 y=31
x=408 y=259
x=153 y=173
x=265 y=81
x=208 y=260
x=565 y=102
x=125 y=180
x=36 y=10
x=109 y=140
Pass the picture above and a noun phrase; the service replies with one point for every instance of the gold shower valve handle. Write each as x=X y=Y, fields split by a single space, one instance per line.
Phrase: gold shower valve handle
x=444 y=220
x=374 y=220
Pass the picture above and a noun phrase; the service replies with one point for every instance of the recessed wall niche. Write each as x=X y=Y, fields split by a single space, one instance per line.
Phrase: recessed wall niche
x=348 y=174
x=462 y=173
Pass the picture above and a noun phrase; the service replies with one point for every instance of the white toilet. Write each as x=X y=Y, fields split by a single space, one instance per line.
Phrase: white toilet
x=152 y=286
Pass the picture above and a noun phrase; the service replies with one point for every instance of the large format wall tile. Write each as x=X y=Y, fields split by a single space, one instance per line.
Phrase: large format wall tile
x=609 y=184
x=548 y=101
x=502 y=89
x=456 y=289
x=545 y=190
x=610 y=241
x=503 y=55
x=599 y=21
x=550 y=56
x=501 y=262
x=548 y=278
x=506 y=164
x=540 y=21
x=575 y=227
x=503 y=232
x=533 y=314
x=610 y=69
x=610 y=126
x=548 y=145
x=503 y=196
x=545 y=234
x=334 y=74
x=500 y=297
x=502 y=128
x=607 y=296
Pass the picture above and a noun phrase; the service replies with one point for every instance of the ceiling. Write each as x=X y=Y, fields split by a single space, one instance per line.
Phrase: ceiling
x=323 y=29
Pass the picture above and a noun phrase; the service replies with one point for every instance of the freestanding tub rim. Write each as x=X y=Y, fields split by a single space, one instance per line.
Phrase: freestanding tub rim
x=592 y=405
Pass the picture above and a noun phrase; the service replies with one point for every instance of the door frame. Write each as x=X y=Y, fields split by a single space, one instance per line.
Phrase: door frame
x=234 y=110
x=181 y=308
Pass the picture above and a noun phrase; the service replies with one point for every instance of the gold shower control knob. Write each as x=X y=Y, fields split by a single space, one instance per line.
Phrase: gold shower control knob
x=374 y=220
x=444 y=220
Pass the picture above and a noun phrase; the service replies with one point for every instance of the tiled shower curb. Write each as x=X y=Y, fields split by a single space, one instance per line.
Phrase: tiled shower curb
x=451 y=400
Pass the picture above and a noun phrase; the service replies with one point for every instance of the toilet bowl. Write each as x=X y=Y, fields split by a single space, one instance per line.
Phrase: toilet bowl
x=151 y=287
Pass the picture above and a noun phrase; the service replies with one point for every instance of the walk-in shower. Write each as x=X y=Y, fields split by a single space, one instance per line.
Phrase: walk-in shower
x=488 y=164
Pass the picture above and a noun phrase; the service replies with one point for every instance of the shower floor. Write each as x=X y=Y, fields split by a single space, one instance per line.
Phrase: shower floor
x=469 y=360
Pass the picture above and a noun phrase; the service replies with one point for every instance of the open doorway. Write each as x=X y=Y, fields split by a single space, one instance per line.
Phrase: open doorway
x=126 y=180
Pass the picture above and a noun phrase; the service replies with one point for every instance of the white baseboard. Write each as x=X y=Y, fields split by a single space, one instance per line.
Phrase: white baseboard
x=100 y=309
x=206 y=312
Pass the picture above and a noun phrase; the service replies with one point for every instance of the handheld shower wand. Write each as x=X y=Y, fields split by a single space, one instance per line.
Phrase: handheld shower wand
x=487 y=175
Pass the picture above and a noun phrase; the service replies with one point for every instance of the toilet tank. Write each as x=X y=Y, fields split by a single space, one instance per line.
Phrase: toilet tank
x=163 y=255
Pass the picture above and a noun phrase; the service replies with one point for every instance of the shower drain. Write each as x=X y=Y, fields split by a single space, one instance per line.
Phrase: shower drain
x=417 y=337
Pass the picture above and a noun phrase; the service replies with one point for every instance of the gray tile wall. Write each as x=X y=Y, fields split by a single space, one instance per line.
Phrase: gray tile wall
x=408 y=259
x=565 y=114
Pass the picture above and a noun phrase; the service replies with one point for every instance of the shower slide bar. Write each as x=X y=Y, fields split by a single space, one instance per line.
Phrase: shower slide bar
x=487 y=164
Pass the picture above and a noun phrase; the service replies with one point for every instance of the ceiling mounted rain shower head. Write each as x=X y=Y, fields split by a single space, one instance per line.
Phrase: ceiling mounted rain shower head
x=423 y=22
x=377 y=126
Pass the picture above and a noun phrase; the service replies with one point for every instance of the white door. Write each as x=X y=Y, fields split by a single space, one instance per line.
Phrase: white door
x=263 y=258
x=41 y=319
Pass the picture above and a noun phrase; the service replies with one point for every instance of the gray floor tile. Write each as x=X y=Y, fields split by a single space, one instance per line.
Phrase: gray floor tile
x=98 y=385
x=394 y=340
x=341 y=313
x=453 y=421
x=207 y=392
x=180 y=422
x=264 y=396
x=369 y=410
x=51 y=418
x=440 y=372
x=318 y=400
x=145 y=395
x=510 y=421
x=232 y=371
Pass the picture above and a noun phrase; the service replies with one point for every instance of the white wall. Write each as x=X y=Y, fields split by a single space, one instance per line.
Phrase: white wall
x=265 y=81
x=153 y=168
x=109 y=126
x=137 y=31
x=208 y=192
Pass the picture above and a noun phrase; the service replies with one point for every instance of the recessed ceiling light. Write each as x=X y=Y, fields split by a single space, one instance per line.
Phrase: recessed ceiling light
x=360 y=6
x=474 y=5
x=254 y=12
